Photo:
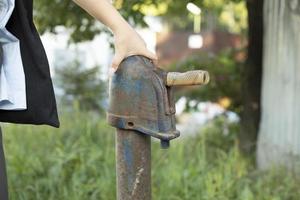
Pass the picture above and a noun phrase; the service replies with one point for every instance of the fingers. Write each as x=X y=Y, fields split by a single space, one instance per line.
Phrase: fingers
x=151 y=56
x=118 y=58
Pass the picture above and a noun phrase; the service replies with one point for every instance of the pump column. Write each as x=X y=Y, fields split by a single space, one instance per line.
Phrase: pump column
x=133 y=156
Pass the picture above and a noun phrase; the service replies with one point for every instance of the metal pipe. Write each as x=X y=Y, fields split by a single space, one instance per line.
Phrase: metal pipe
x=133 y=156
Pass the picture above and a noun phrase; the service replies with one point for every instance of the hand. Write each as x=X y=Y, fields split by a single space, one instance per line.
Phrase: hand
x=127 y=43
x=127 y=40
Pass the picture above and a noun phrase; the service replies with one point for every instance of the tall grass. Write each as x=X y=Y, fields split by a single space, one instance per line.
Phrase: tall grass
x=77 y=162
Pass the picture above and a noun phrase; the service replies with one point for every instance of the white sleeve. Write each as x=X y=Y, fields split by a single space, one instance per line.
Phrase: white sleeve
x=12 y=77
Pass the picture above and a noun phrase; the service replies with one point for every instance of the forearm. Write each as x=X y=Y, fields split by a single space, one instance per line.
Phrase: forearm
x=105 y=12
x=127 y=41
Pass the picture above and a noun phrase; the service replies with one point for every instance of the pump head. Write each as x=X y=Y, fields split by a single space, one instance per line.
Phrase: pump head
x=141 y=98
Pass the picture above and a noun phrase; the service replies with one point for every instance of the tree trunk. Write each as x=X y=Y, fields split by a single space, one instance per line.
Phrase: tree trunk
x=251 y=77
x=279 y=135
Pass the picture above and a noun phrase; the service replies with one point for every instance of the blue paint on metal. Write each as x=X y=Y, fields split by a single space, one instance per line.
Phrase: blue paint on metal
x=121 y=123
x=139 y=96
x=128 y=156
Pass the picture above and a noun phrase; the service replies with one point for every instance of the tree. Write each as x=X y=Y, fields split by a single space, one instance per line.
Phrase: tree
x=81 y=85
x=279 y=135
x=82 y=26
x=251 y=72
x=251 y=78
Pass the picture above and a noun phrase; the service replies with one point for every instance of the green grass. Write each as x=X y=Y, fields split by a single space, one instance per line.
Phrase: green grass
x=77 y=162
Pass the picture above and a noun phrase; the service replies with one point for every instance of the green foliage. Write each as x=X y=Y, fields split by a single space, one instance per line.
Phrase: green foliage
x=77 y=162
x=234 y=17
x=84 y=27
x=74 y=162
x=225 y=79
x=81 y=85
x=230 y=15
x=50 y=14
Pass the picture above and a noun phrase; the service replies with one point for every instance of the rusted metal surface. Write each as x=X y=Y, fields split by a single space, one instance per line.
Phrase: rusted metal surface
x=133 y=154
x=141 y=97
x=141 y=101
x=141 y=105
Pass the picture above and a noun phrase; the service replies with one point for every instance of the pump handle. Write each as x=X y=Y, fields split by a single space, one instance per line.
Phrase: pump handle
x=196 y=77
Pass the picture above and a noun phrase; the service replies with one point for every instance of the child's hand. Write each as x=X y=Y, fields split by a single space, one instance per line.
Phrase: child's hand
x=127 y=40
x=127 y=43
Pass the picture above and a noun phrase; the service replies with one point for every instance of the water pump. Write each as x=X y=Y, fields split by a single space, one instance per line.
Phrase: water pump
x=141 y=97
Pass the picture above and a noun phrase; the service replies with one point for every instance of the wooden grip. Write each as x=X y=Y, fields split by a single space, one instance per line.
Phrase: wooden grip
x=197 y=77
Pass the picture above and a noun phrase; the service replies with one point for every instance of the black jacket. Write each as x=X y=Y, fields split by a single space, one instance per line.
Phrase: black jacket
x=41 y=104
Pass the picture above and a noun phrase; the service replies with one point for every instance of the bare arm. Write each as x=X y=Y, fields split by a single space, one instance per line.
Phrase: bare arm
x=104 y=12
x=127 y=41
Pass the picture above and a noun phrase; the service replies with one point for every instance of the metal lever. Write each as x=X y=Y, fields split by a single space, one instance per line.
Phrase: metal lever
x=196 y=77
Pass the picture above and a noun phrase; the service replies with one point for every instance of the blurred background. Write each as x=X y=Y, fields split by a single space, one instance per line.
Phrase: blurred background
x=240 y=134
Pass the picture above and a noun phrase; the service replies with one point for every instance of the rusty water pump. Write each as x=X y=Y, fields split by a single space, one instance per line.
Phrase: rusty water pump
x=141 y=105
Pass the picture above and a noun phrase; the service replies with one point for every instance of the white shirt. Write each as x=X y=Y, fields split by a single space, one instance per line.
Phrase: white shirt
x=12 y=78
